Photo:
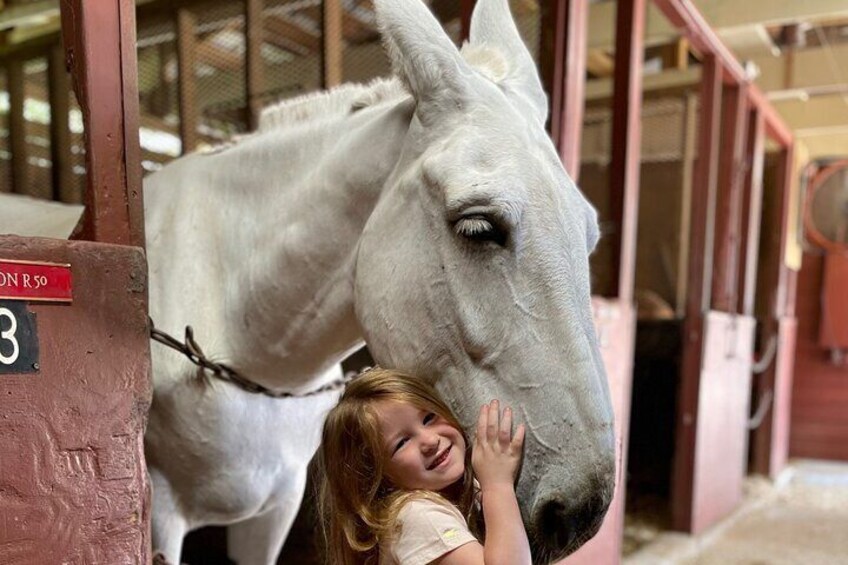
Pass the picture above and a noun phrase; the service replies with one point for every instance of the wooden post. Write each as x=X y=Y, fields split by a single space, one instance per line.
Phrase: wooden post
x=101 y=47
x=16 y=83
x=187 y=81
x=333 y=43
x=254 y=32
x=697 y=300
x=60 y=133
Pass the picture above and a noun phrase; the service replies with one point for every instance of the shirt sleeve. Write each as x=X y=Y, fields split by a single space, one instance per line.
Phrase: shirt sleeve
x=428 y=530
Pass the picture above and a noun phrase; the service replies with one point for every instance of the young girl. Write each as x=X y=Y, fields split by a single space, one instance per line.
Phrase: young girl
x=398 y=479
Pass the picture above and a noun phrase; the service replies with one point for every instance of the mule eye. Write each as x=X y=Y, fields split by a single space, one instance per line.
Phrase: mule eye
x=480 y=228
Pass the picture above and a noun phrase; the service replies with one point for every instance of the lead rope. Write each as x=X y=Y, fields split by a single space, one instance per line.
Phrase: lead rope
x=194 y=353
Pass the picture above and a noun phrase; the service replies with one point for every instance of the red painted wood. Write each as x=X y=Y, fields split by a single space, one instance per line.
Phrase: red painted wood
x=100 y=49
x=752 y=211
x=833 y=326
x=728 y=218
x=626 y=145
x=73 y=484
x=615 y=322
x=685 y=16
x=35 y=281
x=819 y=414
x=697 y=299
x=562 y=63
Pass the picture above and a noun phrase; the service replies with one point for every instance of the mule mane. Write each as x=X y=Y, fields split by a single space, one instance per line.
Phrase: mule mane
x=328 y=105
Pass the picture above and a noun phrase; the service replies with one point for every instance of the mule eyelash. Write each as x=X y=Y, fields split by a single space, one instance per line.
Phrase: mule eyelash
x=480 y=228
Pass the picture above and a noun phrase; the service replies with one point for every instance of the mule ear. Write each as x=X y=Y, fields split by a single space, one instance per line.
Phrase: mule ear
x=422 y=55
x=492 y=25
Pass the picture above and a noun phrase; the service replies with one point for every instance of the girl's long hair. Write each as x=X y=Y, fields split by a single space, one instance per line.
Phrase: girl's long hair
x=358 y=505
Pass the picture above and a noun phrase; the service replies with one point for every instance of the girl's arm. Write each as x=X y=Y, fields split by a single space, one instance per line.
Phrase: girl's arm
x=496 y=457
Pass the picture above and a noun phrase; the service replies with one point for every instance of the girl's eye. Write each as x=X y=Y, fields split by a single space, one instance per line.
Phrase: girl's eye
x=399 y=444
x=429 y=418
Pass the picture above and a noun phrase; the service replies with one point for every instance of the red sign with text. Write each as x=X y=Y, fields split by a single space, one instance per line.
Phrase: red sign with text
x=28 y=280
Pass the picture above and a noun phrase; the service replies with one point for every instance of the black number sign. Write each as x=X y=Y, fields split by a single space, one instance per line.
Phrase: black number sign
x=18 y=338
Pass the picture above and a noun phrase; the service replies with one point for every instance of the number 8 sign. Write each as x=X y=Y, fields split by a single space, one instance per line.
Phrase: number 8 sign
x=18 y=339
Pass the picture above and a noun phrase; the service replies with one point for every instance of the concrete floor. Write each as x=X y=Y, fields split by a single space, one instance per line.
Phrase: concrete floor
x=800 y=519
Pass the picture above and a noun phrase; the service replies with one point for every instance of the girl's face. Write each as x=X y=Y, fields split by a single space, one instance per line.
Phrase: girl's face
x=422 y=450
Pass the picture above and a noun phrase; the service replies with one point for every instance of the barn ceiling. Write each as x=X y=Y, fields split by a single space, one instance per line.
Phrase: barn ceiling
x=797 y=51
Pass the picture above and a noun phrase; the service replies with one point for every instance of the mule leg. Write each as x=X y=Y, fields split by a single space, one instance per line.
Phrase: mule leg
x=258 y=540
x=168 y=525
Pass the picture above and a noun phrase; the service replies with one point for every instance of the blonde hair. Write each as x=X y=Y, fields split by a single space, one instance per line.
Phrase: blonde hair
x=358 y=504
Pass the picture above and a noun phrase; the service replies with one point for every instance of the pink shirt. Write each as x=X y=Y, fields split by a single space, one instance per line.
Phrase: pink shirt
x=427 y=530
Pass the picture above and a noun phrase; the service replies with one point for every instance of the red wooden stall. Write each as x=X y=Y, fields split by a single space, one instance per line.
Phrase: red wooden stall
x=73 y=484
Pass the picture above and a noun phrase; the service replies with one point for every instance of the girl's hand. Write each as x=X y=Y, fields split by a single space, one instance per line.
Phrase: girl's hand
x=496 y=454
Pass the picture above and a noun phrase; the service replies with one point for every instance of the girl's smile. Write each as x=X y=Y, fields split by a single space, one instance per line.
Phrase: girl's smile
x=423 y=451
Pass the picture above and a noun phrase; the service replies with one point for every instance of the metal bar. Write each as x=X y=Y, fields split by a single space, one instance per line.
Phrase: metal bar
x=729 y=200
x=684 y=15
x=626 y=143
x=254 y=32
x=59 y=85
x=697 y=300
x=332 y=45
x=752 y=213
x=186 y=80
x=16 y=83
x=563 y=67
x=574 y=75
x=787 y=174
x=689 y=134
x=100 y=43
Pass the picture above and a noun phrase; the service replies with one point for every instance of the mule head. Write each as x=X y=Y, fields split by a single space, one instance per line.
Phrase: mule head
x=473 y=268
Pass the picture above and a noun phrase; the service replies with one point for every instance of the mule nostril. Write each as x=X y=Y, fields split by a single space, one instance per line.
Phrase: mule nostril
x=563 y=529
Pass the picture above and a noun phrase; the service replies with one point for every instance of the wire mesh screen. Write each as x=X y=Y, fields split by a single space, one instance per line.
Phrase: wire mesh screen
x=292 y=48
x=75 y=192
x=157 y=90
x=528 y=18
x=667 y=123
x=37 y=173
x=219 y=53
x=364 y=58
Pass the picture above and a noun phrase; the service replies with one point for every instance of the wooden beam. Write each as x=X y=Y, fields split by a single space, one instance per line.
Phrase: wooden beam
x=290 y=36
x=254 y=64
x=699 y=276
x=186 y=57
x=15 y=81
x=599 y=63
x=720 y=14
x=332 y=61
x=64 y=189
